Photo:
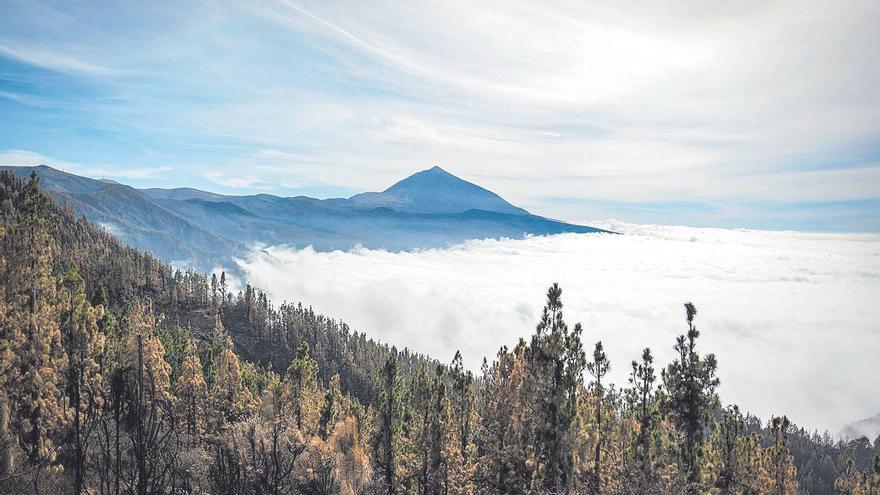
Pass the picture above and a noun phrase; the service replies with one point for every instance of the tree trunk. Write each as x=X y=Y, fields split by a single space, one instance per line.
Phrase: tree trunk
x=139 y=452
x=598 y=453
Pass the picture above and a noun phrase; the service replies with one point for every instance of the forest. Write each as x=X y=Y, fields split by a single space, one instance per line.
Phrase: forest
x=120 y=374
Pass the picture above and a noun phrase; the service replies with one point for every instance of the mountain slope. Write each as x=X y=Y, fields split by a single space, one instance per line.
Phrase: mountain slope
x=202 y=229
x=435 y=191
x=133 y=217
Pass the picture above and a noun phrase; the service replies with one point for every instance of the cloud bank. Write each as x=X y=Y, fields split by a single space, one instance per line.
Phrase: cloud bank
x=792 y=317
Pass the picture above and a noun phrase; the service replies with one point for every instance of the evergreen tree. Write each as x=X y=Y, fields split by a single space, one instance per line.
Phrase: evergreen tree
x=84 y=345
x=462 y=402
x=504 y=444
x=727 y=443
x=192 y=393
x=442 y=448
x=643 y=405
x=224 y=289
x=389 y=416
x=302 y=389
x=147 y=383
x=690 y=384
x=784 y=471
x=555 y=363
x=756 y=476
x=35 y=378
x=333 y=409
x=215 y=295
x=462 y=417
x=7 y=361
x=598 y=368
x=232 y=400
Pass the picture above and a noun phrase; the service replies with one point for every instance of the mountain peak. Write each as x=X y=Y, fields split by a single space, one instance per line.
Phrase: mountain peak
x=435 y=191
x=434 y=171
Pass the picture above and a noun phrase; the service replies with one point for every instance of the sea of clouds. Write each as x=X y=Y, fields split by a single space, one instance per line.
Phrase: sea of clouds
x=794 y=318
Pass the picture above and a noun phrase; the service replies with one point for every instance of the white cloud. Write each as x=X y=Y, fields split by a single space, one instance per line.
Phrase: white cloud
x=605 y=100
x=53 y=59
x=791 y=316
x=663 y=102
x=112 y=229
x=25 y=158
x=241 y=181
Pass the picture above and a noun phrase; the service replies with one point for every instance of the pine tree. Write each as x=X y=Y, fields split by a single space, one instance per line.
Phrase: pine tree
x=441 y=444
x=215 y=296
x=224 y=289
x=148 y=382
x=784 y=471
x=333 y=409
x=598 y=368
x=192 y=393
x=753 y=463
x=218 y=332
x=643 y=404
x=555 y=363
x=505 y=441
x=302 y=389
x=690 y=384
x=389 y=417
x=353 y=464
x=730 y=452
x=84 y=344
x=35 y=378
x=462 y=420
x=231 y=400
x=7 y=361
x=462 y=401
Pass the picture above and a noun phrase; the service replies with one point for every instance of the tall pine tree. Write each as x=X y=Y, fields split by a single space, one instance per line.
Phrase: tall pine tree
x=35 y=379
x=690 y=384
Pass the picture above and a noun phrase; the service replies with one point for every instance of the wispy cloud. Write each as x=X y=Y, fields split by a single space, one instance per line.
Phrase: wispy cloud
x=53 y=59
x=24 y=158
x=600 y=101
x=772 y=304
x=236 y=181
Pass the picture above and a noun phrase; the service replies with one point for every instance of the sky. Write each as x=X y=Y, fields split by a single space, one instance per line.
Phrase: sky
x=792 y=317
x=729 y=114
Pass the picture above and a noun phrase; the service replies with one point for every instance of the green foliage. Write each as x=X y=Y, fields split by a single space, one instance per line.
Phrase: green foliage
x=690 y=385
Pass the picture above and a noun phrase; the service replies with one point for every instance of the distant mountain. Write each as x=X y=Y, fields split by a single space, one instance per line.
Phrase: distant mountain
x=868 y=427
x=432 y=208
x=134 y=217
x=434 y=191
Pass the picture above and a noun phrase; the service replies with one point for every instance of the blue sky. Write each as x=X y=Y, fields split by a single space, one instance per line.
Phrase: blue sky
x=740 y=114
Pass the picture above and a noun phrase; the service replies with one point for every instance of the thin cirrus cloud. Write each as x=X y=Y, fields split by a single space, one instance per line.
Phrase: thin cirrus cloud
x=53 y=60
x=771 y=304
x=587 y=102
x=24 y=158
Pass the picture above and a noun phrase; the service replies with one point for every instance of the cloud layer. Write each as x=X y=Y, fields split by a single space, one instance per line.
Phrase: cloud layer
x=792 y=317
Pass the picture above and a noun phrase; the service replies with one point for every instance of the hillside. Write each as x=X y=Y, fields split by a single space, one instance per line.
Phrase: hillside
x=203 y=230
x=185 y=299
x=134 y=217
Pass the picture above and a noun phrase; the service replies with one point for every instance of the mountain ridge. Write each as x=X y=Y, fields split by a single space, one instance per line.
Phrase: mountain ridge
x=429 y=209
